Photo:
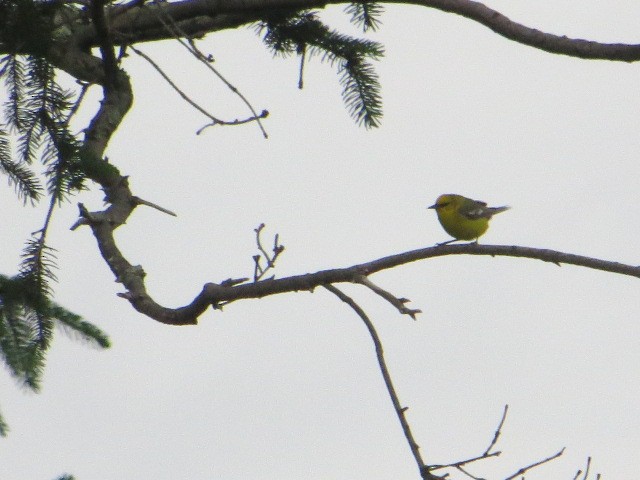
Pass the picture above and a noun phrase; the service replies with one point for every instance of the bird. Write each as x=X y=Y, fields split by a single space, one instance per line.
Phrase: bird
x=464 y=218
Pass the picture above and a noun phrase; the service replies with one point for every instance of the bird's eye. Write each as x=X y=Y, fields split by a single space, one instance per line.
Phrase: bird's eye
x=442 y=205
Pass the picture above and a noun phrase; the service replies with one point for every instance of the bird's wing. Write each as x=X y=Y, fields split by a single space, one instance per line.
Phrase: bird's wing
x=475 y=210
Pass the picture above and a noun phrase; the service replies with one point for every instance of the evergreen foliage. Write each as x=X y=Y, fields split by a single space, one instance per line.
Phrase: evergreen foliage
x=27 y=25
x=4 y=428
x=303 y=33
x=27 y=318
x=365 y=15
x=41 y=158
x=36 y=111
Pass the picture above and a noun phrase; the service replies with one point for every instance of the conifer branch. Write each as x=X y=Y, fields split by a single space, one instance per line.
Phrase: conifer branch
x=75 y=327
x=302 y=33
x=4 y=428
x=366 y=15
x=24 y=180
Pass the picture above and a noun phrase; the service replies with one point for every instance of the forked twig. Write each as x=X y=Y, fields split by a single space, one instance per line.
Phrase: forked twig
x=461 y=463
x=498 y=430
x=473 y=477
x=84 y=87
x=586 y=472
x=258 y=270
x=486 y=454
x=400 y=410
x=398 y=303
x=174 y=29
x=186 y=98
x=534 y=465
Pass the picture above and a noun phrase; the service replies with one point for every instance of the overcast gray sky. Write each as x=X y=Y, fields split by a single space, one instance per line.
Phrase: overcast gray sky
x=287 y=387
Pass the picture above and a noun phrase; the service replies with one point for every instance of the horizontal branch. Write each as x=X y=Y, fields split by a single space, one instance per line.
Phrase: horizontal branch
x=216 y=295
x=352 y=274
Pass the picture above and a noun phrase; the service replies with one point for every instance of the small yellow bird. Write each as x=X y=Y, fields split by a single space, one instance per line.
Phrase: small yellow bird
x=463 y=218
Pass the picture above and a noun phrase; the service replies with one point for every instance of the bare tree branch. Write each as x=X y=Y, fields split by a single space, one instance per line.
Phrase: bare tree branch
x=133 y=24
x=270 y=258
x=398 y=303
x=206 y=60
x=141 y=201
x=585 y=474
x=534 y=465
x=400 y=410
x=139 y=22
x=496 y=435
x=186 y=98
x=467 y=461
x=486 y=454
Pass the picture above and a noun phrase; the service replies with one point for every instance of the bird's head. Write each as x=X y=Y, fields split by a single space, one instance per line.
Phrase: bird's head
x=446 y=201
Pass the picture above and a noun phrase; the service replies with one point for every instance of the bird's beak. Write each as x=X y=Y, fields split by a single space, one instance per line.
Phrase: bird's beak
x=434 y=206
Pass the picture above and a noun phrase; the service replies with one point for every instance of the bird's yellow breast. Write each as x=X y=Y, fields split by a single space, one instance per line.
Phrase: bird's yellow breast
x=459 y=226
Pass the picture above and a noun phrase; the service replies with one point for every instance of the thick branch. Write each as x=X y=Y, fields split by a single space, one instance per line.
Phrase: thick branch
x=198 y=17
x=140 y=23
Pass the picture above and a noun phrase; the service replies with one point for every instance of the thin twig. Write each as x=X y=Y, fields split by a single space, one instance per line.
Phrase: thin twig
x=586 y=471
x=465 y=462
x=125 y=7
x=498 y=430
x=536 y=464
x=177 y=32
x=259 y=242
x=141 y=201
x=398 y=303
x=459 y=468
x=400 y=411
x=76 y=105
x=184 y=96
x=303 y=56
x=258 y=270
x=237 y=121
x=486 y=454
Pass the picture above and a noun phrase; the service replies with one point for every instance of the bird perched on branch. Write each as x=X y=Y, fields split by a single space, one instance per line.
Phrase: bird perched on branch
x=463 y=218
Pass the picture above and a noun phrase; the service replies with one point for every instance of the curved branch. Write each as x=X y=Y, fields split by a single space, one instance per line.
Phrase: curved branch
x=196 y=18
x=218 y=293
x=132 y=277
x=532 y=37
x=386 y=376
